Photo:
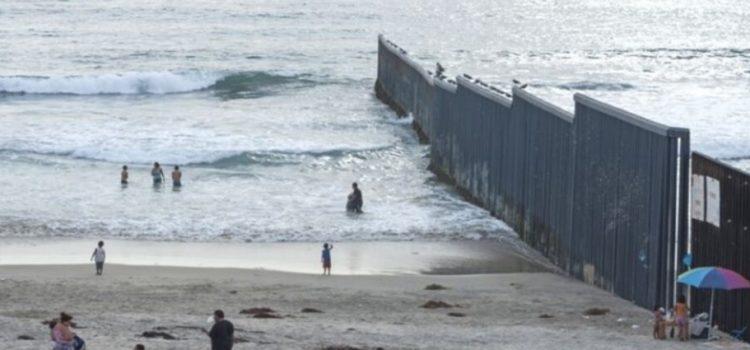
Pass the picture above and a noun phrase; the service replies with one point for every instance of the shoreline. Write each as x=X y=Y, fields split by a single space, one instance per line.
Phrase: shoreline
x=349 y=258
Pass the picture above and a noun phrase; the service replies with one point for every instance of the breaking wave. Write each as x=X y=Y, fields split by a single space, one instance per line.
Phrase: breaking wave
x=140 y=83
x=212 y=159
x=593 y=85
x=281 y=157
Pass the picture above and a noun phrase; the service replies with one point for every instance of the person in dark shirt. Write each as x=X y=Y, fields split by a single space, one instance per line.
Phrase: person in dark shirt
x=326 y=258
x=222 y=332
x=354 y=203
x=124 y=175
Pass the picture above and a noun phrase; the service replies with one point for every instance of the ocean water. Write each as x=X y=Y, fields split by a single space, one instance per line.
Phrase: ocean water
x=268 y=106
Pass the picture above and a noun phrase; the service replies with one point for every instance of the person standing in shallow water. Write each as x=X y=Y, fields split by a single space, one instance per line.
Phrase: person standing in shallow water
x=124 y=175
x=326 y=258
x=99 y=256
x=176 y=177
x=157 y=174
x=354 y=202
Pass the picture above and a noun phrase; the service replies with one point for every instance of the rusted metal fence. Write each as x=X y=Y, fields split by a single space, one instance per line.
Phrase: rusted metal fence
x=602 y=192
x=721 y=235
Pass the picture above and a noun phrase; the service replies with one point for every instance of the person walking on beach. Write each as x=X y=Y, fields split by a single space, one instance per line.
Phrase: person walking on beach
x=354 y=202
x=98 y=256
x=326 y=258
x=157 y=174
x=222 y=332
x=176 y=177
x=63 y=337
x=124 y=175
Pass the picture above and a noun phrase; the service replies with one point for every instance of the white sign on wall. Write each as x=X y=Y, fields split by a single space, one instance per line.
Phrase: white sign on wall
x=713 y=201
x=698 y=207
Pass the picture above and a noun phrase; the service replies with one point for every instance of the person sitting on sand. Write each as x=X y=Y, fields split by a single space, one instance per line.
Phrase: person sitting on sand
x=176 y=177
x=139 y=347
x=660 y=324
x=681 y=318
x=222 y=332
x=157 y=174
x=63 y=337
x=354 y=202
x=124 y=175
x=99 y=256
x=326 y=258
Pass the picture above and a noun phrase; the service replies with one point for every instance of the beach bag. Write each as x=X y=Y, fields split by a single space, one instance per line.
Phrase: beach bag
x=63 y=346
x=78 y=343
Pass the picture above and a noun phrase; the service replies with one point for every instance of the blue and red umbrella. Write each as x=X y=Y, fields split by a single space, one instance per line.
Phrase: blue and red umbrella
x=714 y=278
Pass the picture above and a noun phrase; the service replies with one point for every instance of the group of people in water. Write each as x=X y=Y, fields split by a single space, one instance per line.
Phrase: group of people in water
x=157 y=174
x=353 y=204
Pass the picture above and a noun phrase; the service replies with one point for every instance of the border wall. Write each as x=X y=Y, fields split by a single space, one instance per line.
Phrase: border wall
x=601 y=192
x=721 y=236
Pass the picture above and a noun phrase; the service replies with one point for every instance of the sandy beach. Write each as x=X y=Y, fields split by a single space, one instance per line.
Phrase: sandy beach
x=491 y=311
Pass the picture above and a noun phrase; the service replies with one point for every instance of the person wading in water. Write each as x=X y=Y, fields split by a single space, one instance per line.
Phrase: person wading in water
x=176 y=177
x=354 y=202
x=157 y=174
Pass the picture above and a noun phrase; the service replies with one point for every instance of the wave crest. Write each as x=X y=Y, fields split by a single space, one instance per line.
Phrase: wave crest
x=594 y=85
x=139 y=83
x=282 y=157
x=211 y=159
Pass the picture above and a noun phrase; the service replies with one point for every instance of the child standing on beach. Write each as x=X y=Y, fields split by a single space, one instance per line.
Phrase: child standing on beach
x=326 y=258
x=681 y=313
x=660 y=324
x=98 y=256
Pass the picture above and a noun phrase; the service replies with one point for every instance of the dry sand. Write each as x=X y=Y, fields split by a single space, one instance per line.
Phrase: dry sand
x=502 y=311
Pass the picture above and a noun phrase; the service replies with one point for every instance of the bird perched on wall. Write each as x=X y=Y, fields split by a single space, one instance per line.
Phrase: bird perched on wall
x=439 y=70
x=518 y=83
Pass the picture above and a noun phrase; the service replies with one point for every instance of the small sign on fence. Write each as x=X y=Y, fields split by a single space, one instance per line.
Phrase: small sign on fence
x=713 y=202
x=698 y=208
x=706 y=203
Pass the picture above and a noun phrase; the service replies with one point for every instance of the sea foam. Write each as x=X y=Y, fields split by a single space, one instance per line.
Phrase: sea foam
x=113 y=83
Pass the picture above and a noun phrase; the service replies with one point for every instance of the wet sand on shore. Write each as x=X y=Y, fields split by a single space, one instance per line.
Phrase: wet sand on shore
x=349 y=258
